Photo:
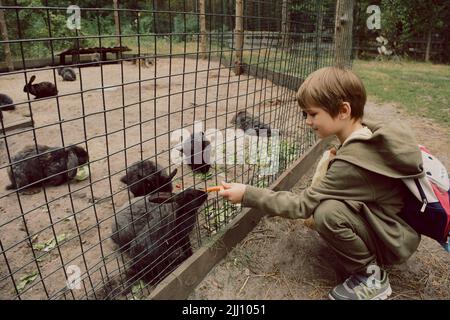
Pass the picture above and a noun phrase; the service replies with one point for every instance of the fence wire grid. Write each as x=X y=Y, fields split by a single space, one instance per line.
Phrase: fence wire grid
x=99 y=203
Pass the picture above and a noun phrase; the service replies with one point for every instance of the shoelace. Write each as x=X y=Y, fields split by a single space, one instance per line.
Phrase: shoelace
x=356 y=280
x=358 y=283
x=365 y=293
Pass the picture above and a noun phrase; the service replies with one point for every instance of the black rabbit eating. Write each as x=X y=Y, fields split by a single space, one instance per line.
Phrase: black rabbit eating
x=41 y=89
x=49 y=165
x=68 y=74
x=144 y=177
x=197 y=150
x=251 y=125
x=154 y=231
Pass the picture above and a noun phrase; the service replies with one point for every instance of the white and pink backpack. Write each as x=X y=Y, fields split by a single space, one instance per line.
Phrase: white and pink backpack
x=427 y=206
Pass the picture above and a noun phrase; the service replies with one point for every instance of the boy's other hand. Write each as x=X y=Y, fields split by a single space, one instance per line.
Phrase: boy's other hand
x=233 y=192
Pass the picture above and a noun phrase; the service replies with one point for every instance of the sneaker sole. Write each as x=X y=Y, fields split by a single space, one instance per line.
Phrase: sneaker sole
x=382 y=296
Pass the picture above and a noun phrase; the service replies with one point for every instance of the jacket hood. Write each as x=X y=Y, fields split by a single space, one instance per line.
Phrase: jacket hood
x=387 y=149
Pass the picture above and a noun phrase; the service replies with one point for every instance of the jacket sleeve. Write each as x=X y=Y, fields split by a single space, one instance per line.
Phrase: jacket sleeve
x=343 y=181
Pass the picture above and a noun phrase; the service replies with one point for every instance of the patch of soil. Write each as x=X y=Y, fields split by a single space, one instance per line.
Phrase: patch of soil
x=283 y=259
x=171 y=95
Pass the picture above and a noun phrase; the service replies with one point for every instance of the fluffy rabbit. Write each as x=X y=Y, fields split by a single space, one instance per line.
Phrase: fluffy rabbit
x=41 y=89
x=154 y=230
x=145 y=61
x=29 y=168
x=6 y=104
x=245 y=121
x=68 y=74
x=144 y=177
x=96 y=57
x=197 y=150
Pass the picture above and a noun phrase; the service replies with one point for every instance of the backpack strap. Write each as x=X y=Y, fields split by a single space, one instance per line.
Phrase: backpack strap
x=422 y=195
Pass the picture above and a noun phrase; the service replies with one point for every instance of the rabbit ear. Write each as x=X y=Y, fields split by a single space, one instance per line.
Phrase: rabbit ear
x=161 y=198
x=124 y=179
x=33 y=77
x=174 y=172
x=183 y=196
x=179 y=197
x=72 y=163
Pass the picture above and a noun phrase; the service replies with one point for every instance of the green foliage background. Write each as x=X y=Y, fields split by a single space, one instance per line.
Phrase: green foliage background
x=402 y=21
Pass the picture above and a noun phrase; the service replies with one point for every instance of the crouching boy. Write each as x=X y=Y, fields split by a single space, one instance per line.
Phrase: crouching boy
x=356 y=205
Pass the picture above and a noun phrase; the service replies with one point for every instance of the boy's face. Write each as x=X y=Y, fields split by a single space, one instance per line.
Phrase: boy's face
x=323 y=124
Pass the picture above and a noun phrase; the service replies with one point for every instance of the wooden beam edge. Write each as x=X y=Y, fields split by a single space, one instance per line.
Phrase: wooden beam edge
x=16 y=125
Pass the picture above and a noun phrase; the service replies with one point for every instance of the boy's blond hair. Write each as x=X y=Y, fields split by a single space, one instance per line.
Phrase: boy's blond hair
x=329 y=87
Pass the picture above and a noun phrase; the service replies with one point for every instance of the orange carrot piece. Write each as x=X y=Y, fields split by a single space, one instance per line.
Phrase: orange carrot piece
x=214 y=189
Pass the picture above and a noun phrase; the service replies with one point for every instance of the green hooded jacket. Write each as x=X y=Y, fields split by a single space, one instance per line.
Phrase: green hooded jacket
x=365 y=174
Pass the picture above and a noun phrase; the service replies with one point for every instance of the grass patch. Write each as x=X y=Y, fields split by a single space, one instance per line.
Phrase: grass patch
x=420 y=88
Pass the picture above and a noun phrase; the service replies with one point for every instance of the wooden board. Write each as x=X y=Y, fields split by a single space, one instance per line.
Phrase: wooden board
x=17 y=124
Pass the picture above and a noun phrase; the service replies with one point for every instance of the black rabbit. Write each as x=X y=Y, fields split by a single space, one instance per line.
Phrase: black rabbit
x=31 y=168
x=197 y=150
x=6 y=104
x=154 y=231
x=41 y=89
x=68 y=74
x=251 y=125
x=144 y=177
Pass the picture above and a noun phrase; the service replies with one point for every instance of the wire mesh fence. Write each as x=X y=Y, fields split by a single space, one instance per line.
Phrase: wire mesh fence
x=124 y=115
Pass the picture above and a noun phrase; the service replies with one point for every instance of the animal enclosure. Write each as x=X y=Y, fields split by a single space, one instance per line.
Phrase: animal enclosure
x=112 y=220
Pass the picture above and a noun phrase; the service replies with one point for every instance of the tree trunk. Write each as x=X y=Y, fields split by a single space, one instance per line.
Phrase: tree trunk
x=343 y=32
x=155 y=16
x=4 y=31
x=285 y=23
x=239 y=37
x=201 y=5
x=319 y=26
x=117 y=21
x=428 y=49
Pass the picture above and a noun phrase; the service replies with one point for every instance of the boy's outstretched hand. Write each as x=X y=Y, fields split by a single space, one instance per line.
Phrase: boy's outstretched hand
x=233 y=192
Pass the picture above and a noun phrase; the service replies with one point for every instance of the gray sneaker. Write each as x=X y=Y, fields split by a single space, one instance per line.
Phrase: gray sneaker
x=362 y=287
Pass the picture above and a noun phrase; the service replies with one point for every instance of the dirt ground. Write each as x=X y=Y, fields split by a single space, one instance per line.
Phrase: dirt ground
x=283 y=259
x=81 y=216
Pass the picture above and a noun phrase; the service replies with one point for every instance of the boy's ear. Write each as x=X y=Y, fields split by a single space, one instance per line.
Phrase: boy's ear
x=345 y=111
